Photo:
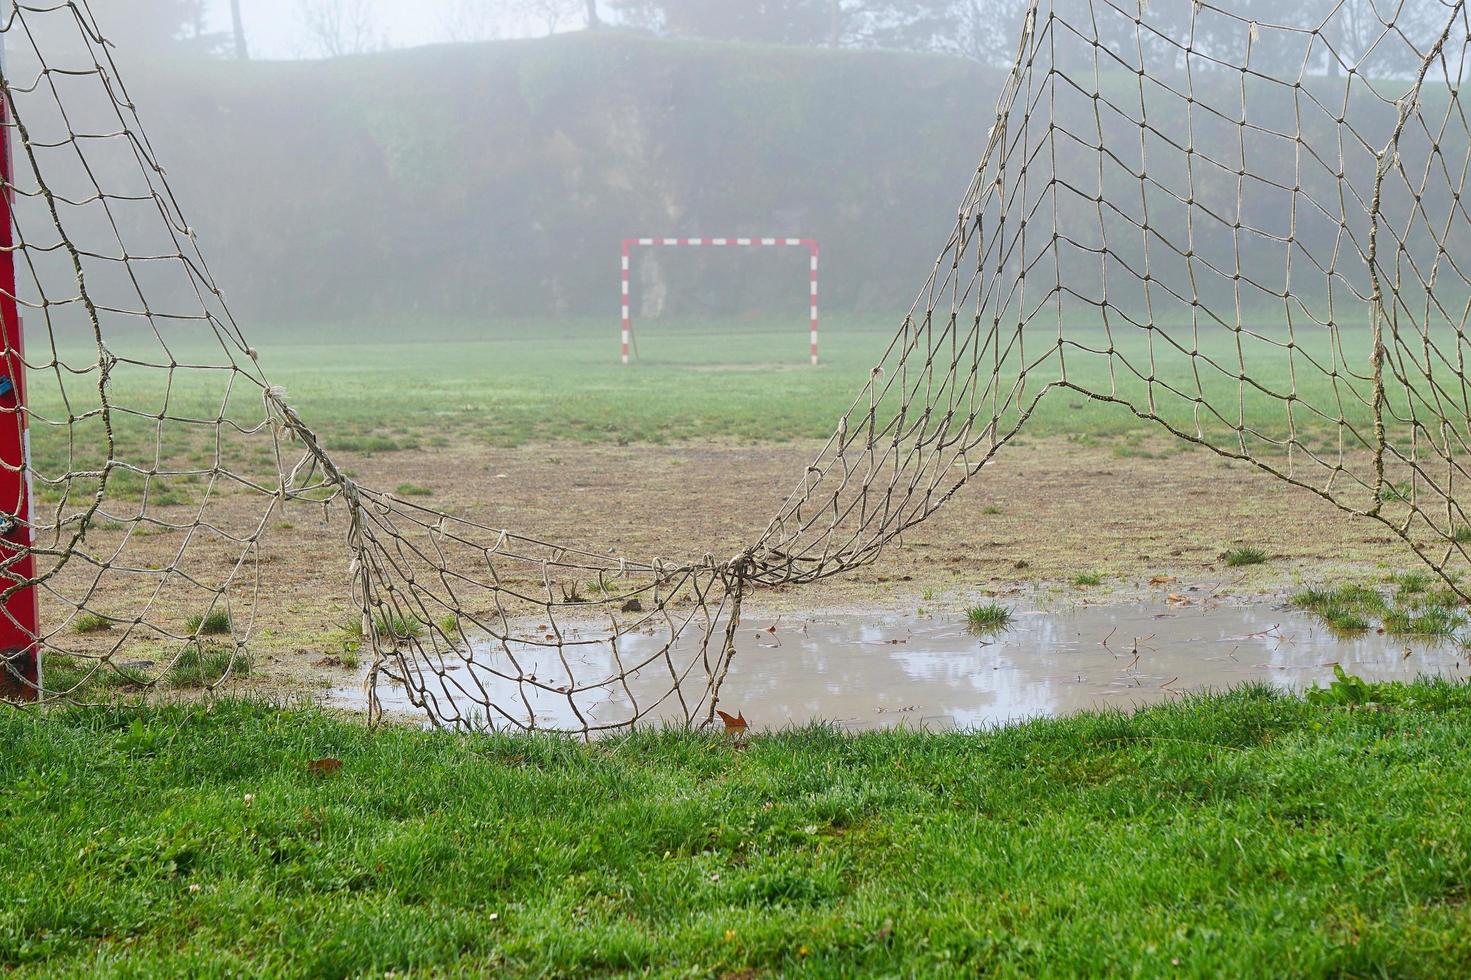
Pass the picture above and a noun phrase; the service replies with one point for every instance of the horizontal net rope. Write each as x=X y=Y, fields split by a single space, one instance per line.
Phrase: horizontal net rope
x=1245 y=232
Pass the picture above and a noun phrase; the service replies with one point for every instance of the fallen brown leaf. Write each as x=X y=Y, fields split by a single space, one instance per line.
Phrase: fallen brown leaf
x=733 y=723
x=324 y=767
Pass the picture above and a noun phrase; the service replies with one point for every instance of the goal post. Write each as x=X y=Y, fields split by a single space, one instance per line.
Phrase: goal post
x=20 y=663
x=629 y=244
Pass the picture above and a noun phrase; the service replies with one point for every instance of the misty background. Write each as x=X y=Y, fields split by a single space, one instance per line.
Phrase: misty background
x=350 y=160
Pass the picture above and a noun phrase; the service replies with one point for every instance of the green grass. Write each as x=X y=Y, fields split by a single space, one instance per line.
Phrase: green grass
x=397 y=626
x=1348 y=609
x=413 y=490
x=1238 y=557
x=1087 y=579
x=82 y=678
x=988 y=616
x=1414 y=609
x=507 y=382
x=1246 y=834
x=214 y=623
x=1410 y=583
x=201 y=666
x=1397 y=493
x=91 y=623
x=1438 y=622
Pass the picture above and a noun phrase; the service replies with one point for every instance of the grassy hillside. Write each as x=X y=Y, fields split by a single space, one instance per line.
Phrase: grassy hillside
x=499 y=177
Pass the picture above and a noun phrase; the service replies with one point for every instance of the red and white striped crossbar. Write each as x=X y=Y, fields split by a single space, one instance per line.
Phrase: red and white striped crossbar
x=808 y=243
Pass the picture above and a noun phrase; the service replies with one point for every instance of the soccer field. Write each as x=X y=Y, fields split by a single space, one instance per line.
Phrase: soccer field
x=512 y=382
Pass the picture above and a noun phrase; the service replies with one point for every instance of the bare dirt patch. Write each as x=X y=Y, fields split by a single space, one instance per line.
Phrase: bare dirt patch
x=1041 y=515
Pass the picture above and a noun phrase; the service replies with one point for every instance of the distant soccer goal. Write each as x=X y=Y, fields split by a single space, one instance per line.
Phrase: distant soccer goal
x=807 y=243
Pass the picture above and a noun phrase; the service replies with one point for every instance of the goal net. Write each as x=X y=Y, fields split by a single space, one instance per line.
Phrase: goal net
x=1249 y=232
x=626 y=292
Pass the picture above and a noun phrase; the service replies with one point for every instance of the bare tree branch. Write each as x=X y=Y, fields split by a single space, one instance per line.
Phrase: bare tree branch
x=339 y=27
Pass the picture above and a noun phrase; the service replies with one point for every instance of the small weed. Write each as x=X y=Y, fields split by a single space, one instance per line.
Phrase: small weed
x=1085 y=579
x=991 y=616
x=1462 y=534
x=1396 y=492
x=397 y=626
x=598 y=587
x=990 y=510
x=450 y=626
x=201 y=666
x=1350 y=691
x=928 y=595
x=1349 y=609
x=91 y=623
x=1409 y=583
x=1237 y=557
x=214 y=623
x=413 y=490
x=350 y=659
x=352 y=635
x=1429 y=621
x=1346 y=620
x=121 y=676
x=1414 y=612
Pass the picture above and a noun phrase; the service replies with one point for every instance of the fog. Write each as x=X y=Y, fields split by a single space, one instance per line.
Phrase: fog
x=282 y=28
x=496 y=178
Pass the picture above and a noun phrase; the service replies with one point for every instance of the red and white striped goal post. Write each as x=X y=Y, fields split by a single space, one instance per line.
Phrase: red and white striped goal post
x=808 y=243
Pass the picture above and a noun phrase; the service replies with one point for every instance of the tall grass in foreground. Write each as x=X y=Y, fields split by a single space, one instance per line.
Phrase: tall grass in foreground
x=1245 y=834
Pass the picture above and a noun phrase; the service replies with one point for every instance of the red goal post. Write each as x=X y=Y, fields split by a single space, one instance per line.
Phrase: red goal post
x=20 y=658
x=808 y=243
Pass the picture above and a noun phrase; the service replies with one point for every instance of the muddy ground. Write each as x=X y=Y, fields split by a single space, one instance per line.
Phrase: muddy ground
x=1039 y=516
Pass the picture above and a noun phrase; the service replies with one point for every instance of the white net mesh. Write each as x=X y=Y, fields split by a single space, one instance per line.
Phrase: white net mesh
x=1249 y=233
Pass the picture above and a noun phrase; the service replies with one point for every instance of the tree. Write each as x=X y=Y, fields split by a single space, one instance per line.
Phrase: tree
x=770 y=21
x=339 y=27
x=237 y=24
x=984 y=30
x=483 y=20
x=981 y=30
x=153 y=27
x=471 y=20
x=551 y=13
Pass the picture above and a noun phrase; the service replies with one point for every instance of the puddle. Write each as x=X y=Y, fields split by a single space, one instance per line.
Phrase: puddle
x=873 y=672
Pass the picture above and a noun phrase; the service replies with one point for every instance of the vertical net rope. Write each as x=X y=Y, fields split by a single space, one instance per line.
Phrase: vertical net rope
x=1250 y=233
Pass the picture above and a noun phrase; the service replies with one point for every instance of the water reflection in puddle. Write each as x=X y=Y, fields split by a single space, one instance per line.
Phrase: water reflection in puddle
x=870 y=672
